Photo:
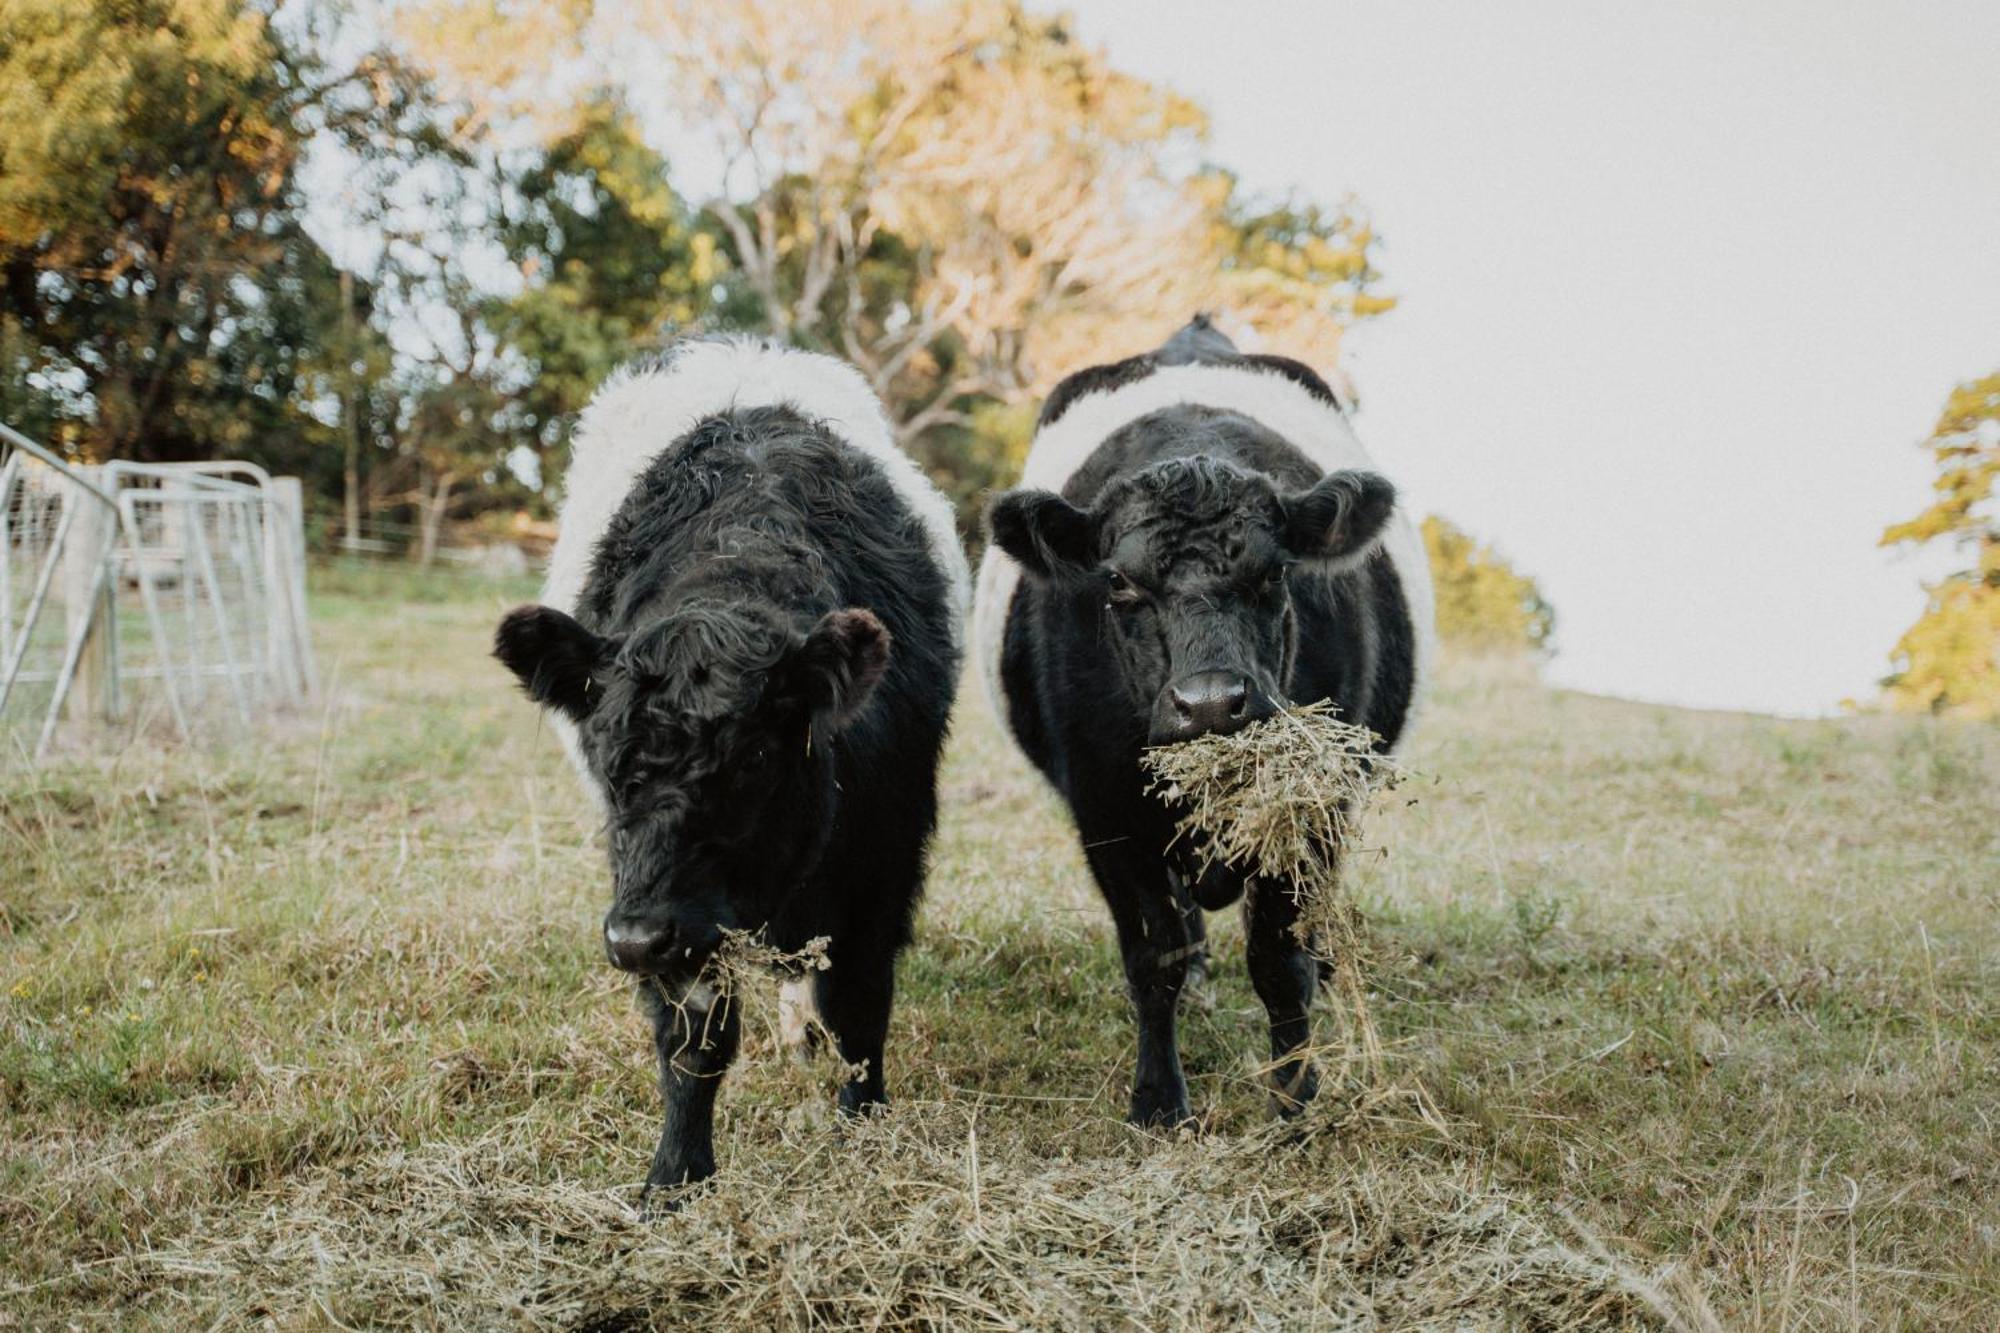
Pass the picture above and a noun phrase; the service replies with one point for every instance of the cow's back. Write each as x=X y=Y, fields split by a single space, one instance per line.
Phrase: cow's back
x=644 y=409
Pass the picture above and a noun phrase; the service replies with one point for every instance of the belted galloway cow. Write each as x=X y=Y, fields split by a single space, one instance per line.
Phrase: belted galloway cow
x=1198 y=540
x=749 y=643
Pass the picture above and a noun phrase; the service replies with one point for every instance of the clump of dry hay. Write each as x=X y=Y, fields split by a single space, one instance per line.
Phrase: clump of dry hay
x=930 y=1217
x=1282 y=799
x=744 y=958
x=743 y=962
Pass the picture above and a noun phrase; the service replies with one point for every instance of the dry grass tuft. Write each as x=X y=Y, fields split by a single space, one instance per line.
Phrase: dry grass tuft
x=1283 y=799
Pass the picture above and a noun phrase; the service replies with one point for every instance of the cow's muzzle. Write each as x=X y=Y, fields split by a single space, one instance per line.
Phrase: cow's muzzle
x=1207 y=703
x=655 y=946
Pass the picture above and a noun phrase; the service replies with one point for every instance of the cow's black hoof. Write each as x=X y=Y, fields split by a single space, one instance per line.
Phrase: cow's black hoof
x=658 y=1202
x=1292 y=1093
x=854 y=1105
x=674 y=1181
x=1160 y=1109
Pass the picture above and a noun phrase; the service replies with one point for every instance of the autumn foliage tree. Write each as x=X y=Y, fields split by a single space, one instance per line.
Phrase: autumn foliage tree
x=967 y=202
x=962 y=200
x=1484 y=605
x=1949 y=660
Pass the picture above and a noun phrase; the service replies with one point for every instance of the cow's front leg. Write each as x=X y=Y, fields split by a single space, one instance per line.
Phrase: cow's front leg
x=1197 y=989
x=695 y=1036
x=1153 y=938
x=854 y=996
x=1284 y=975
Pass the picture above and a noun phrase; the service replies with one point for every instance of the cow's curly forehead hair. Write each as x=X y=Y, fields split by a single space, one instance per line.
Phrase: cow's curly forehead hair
x=706 y=660
x=684 y=686
x=1186 y=503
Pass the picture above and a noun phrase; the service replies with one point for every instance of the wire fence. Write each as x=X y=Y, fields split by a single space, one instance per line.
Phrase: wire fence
x=513 y=549
x=145 y=595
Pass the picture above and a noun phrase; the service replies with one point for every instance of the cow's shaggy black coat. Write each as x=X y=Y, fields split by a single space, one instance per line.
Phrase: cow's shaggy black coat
x=760 y=669
x=1194 y=549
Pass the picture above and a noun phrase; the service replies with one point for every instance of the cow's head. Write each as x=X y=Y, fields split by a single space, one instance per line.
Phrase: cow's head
x=710 y=731
x=1185 y=565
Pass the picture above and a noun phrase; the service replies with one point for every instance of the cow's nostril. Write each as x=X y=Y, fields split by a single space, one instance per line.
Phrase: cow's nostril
x=1239 y=699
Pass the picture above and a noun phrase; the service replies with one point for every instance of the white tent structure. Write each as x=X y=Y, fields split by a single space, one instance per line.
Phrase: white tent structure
x=137 y=591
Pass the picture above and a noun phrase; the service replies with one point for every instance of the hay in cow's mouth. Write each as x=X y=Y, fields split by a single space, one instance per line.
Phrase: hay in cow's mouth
x=1283 y=800
x=744 y=957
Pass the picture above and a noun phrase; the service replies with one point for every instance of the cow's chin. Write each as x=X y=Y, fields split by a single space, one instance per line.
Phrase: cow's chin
x=695 y=986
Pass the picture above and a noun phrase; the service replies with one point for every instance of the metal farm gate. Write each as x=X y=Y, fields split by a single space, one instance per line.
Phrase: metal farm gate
x=144 y=593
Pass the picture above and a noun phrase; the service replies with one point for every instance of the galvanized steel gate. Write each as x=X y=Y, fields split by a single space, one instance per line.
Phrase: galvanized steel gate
x=134 y=592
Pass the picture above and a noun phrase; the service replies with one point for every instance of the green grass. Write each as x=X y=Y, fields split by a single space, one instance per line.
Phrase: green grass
x=1723 y=990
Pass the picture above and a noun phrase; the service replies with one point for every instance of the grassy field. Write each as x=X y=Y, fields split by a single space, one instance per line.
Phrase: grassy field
x=1694 y=1019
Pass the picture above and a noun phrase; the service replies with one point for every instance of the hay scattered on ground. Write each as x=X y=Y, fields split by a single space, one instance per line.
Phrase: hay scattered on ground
x=1283 y=800
x=917 y=1219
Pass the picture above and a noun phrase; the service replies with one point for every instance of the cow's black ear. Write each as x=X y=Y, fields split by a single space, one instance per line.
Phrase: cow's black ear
x=1341 y=518
x=555 y=658
x=840 y=663
x=1045 y=533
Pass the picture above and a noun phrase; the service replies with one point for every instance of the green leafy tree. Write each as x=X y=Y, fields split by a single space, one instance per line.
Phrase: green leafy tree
x=1949 y=660
x=162 y=296
x=607 y=262
x=611 y=262
x=1483 y=603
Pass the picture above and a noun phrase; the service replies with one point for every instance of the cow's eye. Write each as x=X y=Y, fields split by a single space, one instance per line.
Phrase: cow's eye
x=1121 y=590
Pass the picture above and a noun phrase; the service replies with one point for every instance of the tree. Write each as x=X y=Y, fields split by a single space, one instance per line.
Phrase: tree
x=515 y=279
x=1483 y=604
x=163 y=299
x=610 y=261
x=967 y=203
x=1949 y=661
x=962 y=200
x=1297 y=273
x=931 y=192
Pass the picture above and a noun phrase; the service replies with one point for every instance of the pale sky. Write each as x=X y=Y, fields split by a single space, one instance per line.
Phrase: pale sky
x=1682 y=285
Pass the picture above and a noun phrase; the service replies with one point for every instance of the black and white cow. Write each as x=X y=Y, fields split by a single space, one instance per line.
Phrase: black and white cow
x=750 y=644
x=1203 y=541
